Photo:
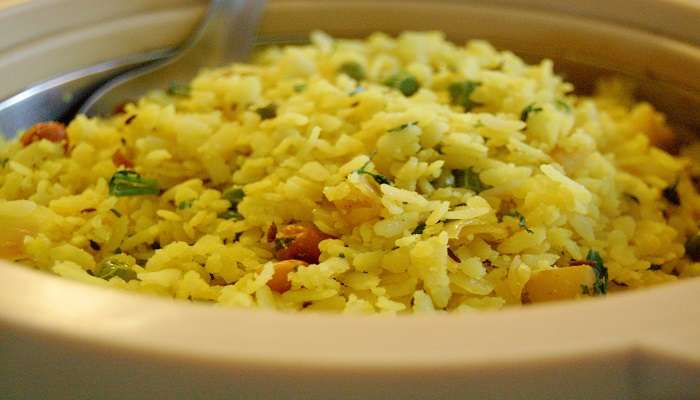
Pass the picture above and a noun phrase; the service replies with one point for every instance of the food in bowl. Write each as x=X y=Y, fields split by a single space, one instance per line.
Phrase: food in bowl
x=389 y=175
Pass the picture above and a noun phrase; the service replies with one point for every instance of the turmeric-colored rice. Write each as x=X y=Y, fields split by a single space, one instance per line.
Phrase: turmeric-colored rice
x=440 y=177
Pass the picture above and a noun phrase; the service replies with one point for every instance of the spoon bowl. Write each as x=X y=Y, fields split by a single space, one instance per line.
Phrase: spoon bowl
x=226 y=35
x=59 y=98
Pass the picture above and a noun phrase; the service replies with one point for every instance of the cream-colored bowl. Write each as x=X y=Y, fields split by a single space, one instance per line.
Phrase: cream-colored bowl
x=64 y=340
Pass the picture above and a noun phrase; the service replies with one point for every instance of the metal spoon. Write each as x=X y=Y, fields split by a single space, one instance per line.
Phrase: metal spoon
x=59 y=98
x=227 y=34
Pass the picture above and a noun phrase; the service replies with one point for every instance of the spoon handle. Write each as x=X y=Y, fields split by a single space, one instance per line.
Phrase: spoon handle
x=226 y=35
x=220 y=37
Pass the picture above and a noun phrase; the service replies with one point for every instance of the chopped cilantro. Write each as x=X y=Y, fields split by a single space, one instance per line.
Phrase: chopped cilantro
x=299 y=87
x=522 y=223
x=403 y=126
x=380 y=179
x=460 y=94
x=130 y=183
x=530 y=109
x=111 y=268
x=178 y=89
x=692 y=247
x=231 y=214
x=185 y=204
x=267 y=112
x=234 y=195
x=468 y=178
x=406 y=83
x=419 y=229
x=670 y=193
x=353 y=69
x=562 y=105
x=601 y=283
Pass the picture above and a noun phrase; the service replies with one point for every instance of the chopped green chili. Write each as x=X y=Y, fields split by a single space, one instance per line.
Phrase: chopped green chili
x=130 y=183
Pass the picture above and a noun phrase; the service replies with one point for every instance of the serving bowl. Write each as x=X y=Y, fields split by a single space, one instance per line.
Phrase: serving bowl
x=64 y=340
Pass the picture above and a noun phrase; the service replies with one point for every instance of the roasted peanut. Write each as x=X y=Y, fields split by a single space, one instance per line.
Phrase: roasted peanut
x=299 y=242
x=280 y=282
x=51 y=131
x=119 y=159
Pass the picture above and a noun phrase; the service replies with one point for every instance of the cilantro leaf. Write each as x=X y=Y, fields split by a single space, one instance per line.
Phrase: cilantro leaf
x=468 y=178
x=530 y=109
x=522 y=223
x=267 y=112
x=231 y=214
x=601 y=284
x=185 y=204
x=380 y=179
x=562 y=105
x=419 y=229
x=460 y=94
x=403 y=126
x=130 y=183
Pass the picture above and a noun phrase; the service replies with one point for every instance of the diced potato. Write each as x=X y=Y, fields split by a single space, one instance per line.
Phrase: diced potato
x=561 y=283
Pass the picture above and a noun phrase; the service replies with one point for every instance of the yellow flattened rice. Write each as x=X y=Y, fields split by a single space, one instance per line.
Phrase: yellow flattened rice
x=386 y=175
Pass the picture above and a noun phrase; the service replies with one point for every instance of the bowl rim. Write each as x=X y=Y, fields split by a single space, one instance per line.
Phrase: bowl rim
x=38 y=304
